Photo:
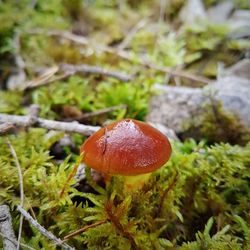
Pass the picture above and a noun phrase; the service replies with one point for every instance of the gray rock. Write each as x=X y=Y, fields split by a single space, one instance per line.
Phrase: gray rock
x=16 y=80
x=220 y=12
x=240 y=69
x=176 y=106
x=240 y=24
x=169 y=133
x=234 y=92
x=192 y=11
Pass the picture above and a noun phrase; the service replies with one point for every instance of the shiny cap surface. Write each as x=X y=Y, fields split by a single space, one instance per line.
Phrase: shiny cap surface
x=126 y=147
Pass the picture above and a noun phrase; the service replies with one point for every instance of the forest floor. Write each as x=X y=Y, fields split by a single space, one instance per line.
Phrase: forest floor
x=68 y=68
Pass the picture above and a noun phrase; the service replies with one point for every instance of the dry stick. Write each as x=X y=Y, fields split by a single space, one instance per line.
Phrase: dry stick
x=98 y=112
x=6 y=228
x=47 y=81
x=163 y=4
x=123 y=54
x=166 y=192
x=119 y=227
x=30 y=208
x=43 y=231
x=44 y=77
x=131 y=34
x=85 y=68
x=73 y=127
x=179 y=73
x=14 y=241
x=143 y=62
x=81 y=230
x=70 y=69
x=71 y=175
x=20 y=176
x=64 y=34
x=5 y=128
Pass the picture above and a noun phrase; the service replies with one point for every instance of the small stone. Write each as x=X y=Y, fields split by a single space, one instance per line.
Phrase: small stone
x=192 y=11
x=175 y=107
x=220 y=12
x=240 y=69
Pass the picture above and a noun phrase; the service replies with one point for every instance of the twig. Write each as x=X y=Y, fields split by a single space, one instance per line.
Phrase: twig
x=118 y=226
x=81 y=230
x=5 y=128
x=123 y=54
x=14 y=241
x=70 y=127
x=64 y=34
x=50 y=80
x=18 y=58
x=163 y=4
x=42 y=79
x=131 y=34
x=166 y=192
x=19 y=76
x=6 y=228
x=42 y=230
x=20 y=176
x=70 y=69
x=179 y=73
x=72 y=174
x=84 y=68
x=98 y=112
x=30 y=207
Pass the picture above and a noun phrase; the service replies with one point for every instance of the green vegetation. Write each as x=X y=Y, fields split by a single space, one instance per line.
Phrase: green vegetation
x=201 y=197
x=199 y=200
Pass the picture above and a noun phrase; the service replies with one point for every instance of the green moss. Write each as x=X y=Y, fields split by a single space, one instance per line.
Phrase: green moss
x=135 y=97
x=198 y=200
x=74 y=92
x=216 y=124
x=219 y=125
x=167 y=212
x=10 y=102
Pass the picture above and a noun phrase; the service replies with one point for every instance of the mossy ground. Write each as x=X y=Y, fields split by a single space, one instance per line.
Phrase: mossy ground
x=199 y=200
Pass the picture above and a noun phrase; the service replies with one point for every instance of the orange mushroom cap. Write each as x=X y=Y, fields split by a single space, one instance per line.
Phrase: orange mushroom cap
x=126 y=147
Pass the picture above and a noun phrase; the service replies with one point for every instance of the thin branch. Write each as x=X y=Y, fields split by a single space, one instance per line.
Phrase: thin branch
x=5 y=128
x=20 y=176
x=163 y=4
x=166 y=192
x=18 y=58
x=43 y=231
x=19 y=75
x=81 y=230
x=48 y=81
x=179 y=73
x=98 y=112
x=72 y=174
x=70 y=69
x=14 y=241
x=70 y=127
x=64 y=34
x=131 y=34
x=118 y=226
x=142 y=61
x=84 y=68
x=6 y=228
x=123 y=54
x=41 y=79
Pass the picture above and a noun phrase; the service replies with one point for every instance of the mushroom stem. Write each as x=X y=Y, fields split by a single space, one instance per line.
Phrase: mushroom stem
x=133 y=183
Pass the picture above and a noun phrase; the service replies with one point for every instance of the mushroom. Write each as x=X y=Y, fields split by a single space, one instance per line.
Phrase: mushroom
x=127 y=147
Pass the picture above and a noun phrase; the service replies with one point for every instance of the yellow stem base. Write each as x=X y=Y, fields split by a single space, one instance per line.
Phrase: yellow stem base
x=133 y=183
